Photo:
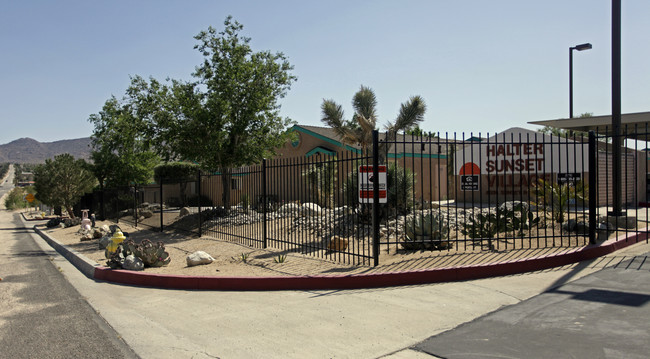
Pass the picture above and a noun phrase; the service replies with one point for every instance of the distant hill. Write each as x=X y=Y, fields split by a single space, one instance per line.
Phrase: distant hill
x=27 y=150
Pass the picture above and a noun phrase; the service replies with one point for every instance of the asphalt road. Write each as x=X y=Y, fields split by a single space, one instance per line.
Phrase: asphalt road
x=603 y=315
x=41 y=314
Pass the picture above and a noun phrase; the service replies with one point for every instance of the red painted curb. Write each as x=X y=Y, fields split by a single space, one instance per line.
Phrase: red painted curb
x=362 y=281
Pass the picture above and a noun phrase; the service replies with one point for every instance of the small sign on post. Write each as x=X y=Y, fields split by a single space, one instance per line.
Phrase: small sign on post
x=469 y=183
x=30 y=198
x=571 y=178
x=366 y=184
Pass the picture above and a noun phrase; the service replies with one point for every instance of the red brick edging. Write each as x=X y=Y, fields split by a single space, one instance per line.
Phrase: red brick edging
x=374 y=280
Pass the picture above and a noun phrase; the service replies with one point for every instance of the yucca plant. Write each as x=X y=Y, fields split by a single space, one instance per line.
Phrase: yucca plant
x=554 y=198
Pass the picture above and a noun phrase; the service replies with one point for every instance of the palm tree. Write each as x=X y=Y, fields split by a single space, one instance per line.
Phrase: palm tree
x=359 y=129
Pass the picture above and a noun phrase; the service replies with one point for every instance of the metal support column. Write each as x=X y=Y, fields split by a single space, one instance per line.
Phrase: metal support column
x=375 y=197
x=198 y=189
x=616 y=108
x=161 y=205
x=593 y=187
x=264 y=205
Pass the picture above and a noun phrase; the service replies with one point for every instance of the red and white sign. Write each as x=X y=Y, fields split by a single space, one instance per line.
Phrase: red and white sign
x=366 y=184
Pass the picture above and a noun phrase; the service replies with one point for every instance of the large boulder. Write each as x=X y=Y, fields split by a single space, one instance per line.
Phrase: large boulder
x=105 y=241
x=289 y=208
x=514 y=206
x=622 y=221
x=199 y=257
x=145 y=213
x=132 y=262
x=87 y=237
x=310 y=209
x=338 y=244
x=184 y=212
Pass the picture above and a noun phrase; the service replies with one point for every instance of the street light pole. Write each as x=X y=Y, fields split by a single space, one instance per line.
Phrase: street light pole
x=617 y=207
x=580 y=47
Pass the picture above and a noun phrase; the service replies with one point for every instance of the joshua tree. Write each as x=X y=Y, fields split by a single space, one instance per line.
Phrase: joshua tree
x=359 y=129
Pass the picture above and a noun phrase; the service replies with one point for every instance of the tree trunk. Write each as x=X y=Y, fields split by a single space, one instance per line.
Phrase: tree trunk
x=70 y=212
x=226 y=176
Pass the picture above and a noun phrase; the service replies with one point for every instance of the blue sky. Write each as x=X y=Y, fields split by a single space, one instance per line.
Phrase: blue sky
x=481 y=66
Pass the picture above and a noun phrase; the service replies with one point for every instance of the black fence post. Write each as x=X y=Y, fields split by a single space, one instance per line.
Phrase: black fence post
x=375 y=197
x=135 y=205
x=593 y=187
x=162 y=209
x=264 y=223
x=198 y=189
x=117 y=205
x=103 y=206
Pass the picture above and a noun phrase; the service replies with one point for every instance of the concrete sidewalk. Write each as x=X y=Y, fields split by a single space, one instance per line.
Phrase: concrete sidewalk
x=364 y=323
x=606 y=314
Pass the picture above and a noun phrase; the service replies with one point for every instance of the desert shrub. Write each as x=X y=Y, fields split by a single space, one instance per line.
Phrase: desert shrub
x=4 y=168
x=554 y=198
x=174 y=202
x=245 y=202
x=15 y=199
x=401 y=182
x=53 y=222
x=202 y=200
x=321 y=180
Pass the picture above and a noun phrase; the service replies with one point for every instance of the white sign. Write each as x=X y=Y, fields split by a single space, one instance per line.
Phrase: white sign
x=366 y=184
x=520 y=151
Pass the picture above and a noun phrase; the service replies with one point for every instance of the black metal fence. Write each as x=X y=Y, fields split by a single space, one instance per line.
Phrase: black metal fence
x=515 y=190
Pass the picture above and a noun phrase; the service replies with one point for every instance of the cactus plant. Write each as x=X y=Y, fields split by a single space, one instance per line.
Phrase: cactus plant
x=152 y=255
x=426 y=231
x=522 y=219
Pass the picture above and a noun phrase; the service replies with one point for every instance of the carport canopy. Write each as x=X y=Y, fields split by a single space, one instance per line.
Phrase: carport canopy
x=633 y=125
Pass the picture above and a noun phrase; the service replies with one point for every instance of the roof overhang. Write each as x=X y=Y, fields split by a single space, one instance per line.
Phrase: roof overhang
x=632 y=124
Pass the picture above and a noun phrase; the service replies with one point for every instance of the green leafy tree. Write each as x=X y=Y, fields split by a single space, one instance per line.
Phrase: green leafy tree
x=229 y=116
x=121 y=154
x=18 y=173
x=561 y=132
x=62 y=182
x=15 y=199
x=177 y=172
x=358 y=130
x=417 y=131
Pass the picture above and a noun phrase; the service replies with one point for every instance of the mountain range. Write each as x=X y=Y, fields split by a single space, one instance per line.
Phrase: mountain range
x=27 y=150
